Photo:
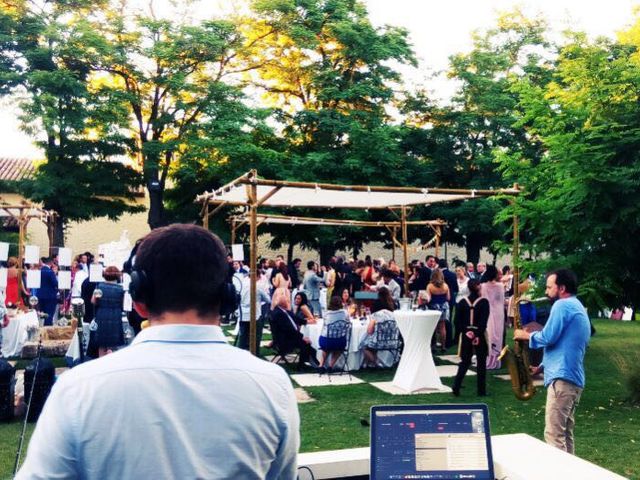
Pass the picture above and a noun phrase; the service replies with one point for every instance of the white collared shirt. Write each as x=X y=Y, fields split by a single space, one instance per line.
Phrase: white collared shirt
x=178 y=403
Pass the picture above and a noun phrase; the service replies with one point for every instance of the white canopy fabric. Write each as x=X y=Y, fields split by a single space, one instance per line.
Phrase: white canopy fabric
x=325 y=198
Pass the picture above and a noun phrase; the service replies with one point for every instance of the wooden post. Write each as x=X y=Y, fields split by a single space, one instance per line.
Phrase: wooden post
x=234 y=226
x=205 y=217
x=438 y=233
x=22 y=228
x=394 y=234
x=516 y=267
x=253 y=258
x=403 y=221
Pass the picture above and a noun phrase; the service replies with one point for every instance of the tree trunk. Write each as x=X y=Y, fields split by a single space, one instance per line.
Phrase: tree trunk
x=473 y=246
x=290 y=252
x=356 y=250
x=326 y=252
x=156 y=216
x=57 y=240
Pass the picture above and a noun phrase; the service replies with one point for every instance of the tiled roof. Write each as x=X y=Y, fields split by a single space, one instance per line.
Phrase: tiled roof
x=12 y=169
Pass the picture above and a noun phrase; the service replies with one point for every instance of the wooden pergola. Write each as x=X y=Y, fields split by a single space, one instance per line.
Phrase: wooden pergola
x=253 y=192
x=436 y=226
x=23 y=213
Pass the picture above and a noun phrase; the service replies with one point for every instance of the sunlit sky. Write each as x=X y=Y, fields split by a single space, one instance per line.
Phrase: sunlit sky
x=438 y=29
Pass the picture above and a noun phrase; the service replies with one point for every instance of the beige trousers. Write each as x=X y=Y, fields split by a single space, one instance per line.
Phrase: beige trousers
x=562 y=400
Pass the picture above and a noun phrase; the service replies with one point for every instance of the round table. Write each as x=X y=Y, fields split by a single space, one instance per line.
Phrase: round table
x=358 y=332
x=416 y=370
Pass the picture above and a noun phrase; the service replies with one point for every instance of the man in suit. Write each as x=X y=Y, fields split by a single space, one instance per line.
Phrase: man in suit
x=312 y=282
x=452 y=282
x=48 y=291
x=286 y=335
x=481 y=269
x=294 y=273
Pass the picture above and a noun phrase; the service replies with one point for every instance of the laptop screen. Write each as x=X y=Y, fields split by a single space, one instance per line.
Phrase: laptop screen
x=431 y=442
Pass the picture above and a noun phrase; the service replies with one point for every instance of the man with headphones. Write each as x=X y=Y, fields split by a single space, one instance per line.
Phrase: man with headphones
x=179 y=402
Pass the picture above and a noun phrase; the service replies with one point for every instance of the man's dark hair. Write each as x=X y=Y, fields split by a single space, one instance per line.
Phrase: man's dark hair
x=567 y=279
x=296 y=260
x=185 y=267
x=490 y=274
x=310 y=264
x=386 y=273
x=45 y=260
x=442 y=263
x=428 y=257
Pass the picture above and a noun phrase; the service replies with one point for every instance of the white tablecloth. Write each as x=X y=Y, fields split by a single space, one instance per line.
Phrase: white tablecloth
x=73 y=352
x=416 y=370
x=358 y=332
x=16 y=333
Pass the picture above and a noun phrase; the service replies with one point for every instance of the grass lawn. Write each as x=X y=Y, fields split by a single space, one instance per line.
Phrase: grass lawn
x=607 y=425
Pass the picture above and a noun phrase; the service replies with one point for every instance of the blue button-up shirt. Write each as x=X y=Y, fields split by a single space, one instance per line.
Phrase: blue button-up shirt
x=178 y=403
x=564 y=338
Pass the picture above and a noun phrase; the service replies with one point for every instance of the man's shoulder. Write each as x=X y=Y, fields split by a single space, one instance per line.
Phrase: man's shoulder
x=138 y=357
x=569 y=307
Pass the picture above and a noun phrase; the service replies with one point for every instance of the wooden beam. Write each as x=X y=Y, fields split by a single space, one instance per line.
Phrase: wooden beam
x=404 y=248
x=292 y=220
x=367 y=188
x=394 y=240
x=205 y=216
x=268 y=196
x=253 y=259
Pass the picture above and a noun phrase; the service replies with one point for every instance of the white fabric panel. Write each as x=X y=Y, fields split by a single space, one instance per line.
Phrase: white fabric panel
x=305 y=197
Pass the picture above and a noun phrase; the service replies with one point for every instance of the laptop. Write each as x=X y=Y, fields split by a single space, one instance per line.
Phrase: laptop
x=431 y=442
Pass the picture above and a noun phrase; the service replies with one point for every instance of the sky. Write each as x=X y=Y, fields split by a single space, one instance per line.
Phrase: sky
x=437 y=28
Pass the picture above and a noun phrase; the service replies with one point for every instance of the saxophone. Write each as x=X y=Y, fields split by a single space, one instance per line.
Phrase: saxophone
x=518 y=364
x=518 y=360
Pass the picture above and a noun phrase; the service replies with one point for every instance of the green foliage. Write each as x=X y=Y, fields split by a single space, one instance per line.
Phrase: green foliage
x=168 y=77
x=80 y=179
x=458 y=144
x=581 y=207
x=331 y=87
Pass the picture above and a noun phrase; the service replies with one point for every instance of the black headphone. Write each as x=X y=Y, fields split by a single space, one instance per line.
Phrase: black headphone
x=141 y=290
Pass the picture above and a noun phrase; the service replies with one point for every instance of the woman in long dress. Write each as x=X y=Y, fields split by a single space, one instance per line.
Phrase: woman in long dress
x=108 y=318
x=13 y=296
x=493 y=290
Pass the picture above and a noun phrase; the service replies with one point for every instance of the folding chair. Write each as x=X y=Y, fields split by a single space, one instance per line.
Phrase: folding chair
x=281 y=354
x=388 y=338
x=340 y=329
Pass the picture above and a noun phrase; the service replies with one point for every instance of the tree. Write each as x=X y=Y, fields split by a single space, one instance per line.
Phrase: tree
x=170 y=75
x=458 y=141
x=80 y=179
x=583 y=196
x=327 y=70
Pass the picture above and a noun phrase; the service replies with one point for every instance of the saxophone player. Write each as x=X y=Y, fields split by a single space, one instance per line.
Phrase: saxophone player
x=564 y=339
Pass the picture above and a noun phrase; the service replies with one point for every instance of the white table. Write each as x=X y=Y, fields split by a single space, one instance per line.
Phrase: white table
x=15 y=335
x=515 y=457
x=416 y=370
x=73 y=352
x=358 y=332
